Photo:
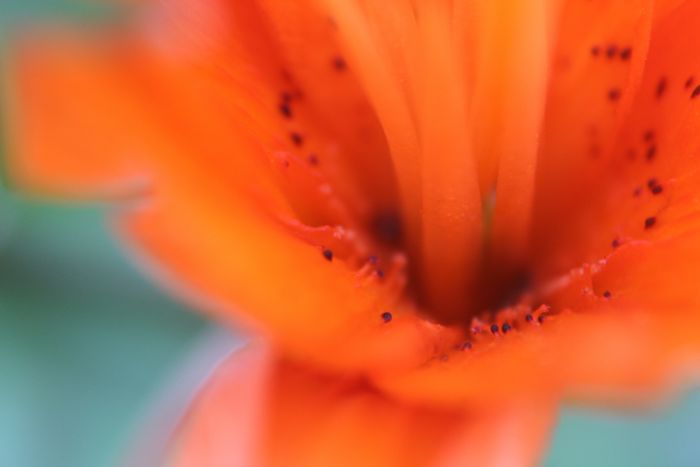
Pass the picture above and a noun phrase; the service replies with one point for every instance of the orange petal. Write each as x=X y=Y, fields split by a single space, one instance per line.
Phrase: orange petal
x=598 y=61
x=309 y=50
x=128 y=90
x=74 y=118
x=621 y=329
x=240 y=261
x=290 y=416
x=186 y=121
x=597 y=150
x=626 y=320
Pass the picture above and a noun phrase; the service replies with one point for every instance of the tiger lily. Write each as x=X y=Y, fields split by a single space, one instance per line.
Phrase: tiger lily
x=439 y=218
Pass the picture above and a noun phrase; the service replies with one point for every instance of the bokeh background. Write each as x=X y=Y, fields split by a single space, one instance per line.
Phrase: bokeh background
x=94 y=359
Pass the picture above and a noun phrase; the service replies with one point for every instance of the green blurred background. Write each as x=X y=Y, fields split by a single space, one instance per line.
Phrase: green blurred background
x=90 y=350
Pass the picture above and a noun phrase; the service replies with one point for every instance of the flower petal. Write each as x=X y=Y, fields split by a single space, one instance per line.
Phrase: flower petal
x=622 y=329
x=599 y=155
x=625 y=318
x=197 y=106
x=291 y=416
x=333 y=98
x=598 y=62
x=242 y=262
x=75 y=116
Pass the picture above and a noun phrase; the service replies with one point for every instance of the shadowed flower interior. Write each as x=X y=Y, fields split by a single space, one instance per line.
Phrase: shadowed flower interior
x=463 y=202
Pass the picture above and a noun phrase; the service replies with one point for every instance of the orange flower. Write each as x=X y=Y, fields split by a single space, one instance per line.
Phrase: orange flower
x=442 y=216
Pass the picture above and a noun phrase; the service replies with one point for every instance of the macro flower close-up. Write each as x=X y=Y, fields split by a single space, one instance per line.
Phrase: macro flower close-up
x=436 y=221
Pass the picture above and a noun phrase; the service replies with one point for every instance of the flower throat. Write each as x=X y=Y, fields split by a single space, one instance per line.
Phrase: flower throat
x=459 y=89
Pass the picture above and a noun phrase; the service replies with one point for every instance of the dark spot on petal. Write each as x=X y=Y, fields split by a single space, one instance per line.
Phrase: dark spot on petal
x=595 y=50
x=528 y=318
x=648 y=136
x=380 y=273
x=626 y=53
x=661 y=87
x=387 y=316
x=696 y=92
x=611 y=51
x=494 y=328
x=651 y=152
x=649 y=222
x=654 y=186
x=541 y=318
x=607 y=294
x=387 y=227
x=614 y=94
x=374 y=259
x=313 y=159
x=505 y=328
x=296 y=138
x=615 y=243
x=285 y=109
x=637 y=192
x=328 y=254
x=339 y=63
x=688 y=82
x=467 y=346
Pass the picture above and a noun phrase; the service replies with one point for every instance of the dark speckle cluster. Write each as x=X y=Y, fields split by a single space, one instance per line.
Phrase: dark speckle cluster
x=612 y=51
x=654 y=186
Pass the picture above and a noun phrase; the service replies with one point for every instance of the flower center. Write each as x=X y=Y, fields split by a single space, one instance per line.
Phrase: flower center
x=459 y=88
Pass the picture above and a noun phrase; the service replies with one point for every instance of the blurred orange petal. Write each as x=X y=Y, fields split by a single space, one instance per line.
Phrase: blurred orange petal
x=155 y=112
x=260 y=411
x=93 y=150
